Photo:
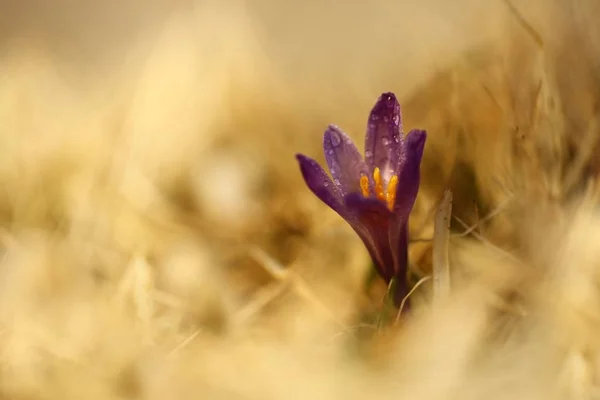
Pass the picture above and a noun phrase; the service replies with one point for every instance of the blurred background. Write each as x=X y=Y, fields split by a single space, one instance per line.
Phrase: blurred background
x=158 y=241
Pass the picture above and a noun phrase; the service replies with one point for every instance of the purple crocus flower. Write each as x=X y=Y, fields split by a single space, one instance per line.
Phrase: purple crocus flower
x=375 y=195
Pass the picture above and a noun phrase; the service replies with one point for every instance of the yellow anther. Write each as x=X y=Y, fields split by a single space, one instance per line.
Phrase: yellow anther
x=391 y=192
x=378 y=184
x=388 y=194
x=364 y=185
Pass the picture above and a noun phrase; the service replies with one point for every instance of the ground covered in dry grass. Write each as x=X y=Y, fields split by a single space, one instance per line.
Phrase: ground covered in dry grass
x=157 y=239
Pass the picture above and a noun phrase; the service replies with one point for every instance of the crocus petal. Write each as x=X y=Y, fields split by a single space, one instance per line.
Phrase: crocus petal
x=371 y=220
x=399 y=245
x=344 y=160
x=383 y=140
x=320 y=184
x=409 y=175
x=408 y=186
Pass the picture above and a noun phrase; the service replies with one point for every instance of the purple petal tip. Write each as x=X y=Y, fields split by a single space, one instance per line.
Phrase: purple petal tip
x=332 y=137
x=304 y=162
x=319 y=182
x=383 y=136
x=415 y=140
x=387 y=106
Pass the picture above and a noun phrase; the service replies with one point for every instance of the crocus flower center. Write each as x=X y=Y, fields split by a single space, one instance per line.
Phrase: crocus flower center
x=383 y=191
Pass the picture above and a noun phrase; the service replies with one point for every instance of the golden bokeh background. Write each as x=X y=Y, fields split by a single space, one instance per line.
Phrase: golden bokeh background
x=157 y=239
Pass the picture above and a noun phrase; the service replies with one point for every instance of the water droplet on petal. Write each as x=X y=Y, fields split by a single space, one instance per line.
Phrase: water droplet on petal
x=336 y=138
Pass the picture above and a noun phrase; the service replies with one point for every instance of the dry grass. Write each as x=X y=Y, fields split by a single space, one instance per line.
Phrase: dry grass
x=157 y=240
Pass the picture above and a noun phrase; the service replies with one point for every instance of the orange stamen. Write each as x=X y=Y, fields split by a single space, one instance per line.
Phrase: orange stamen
x=378 y=184
x=391 y=192
x=388 y=195
x=364 y=185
